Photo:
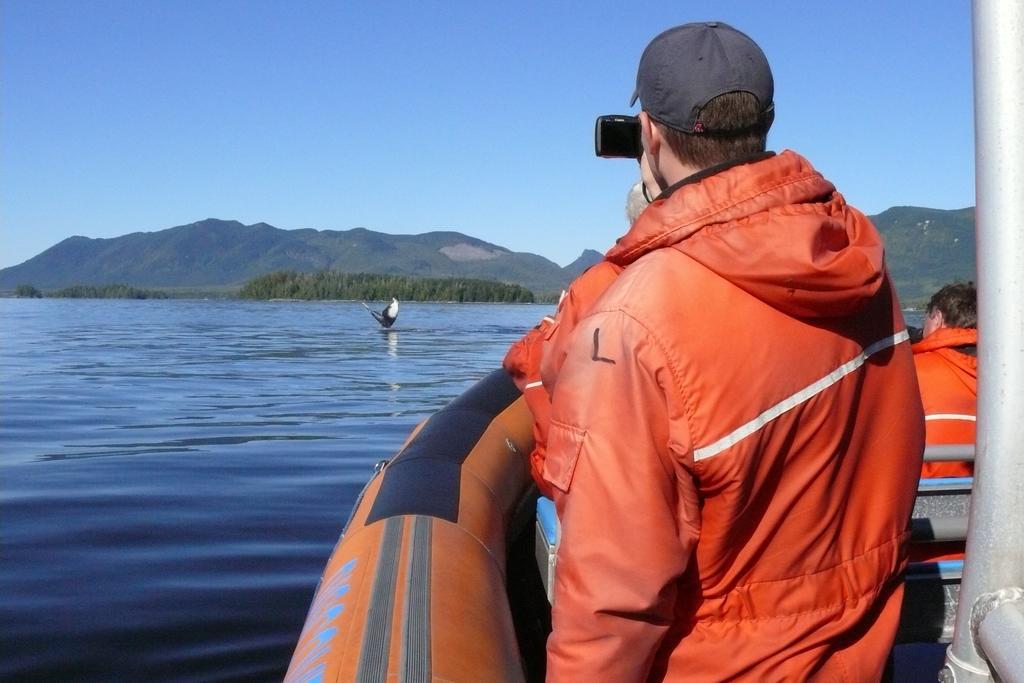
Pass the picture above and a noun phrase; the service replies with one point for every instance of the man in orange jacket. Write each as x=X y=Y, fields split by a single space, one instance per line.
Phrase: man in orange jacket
x=947 y=371
x=736 y=430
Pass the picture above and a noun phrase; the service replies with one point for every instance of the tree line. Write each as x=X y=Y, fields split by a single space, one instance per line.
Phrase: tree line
x=91 y=292
x=27 y=292
x=369 y=286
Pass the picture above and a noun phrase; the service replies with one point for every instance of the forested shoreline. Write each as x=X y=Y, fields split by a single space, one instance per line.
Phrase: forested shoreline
x=90 y=292
x=318 y=286
x=325 y=285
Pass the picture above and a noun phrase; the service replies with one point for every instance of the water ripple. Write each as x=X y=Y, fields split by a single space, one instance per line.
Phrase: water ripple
x=187 y=547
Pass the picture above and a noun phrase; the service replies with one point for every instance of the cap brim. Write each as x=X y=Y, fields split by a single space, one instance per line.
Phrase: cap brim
x=636 y=96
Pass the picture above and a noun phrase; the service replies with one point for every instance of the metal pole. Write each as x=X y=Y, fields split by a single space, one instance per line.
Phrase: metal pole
x=995 y=540
x=1000 y=635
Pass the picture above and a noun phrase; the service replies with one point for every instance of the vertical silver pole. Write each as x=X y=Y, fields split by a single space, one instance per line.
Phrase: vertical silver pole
x=995 y=539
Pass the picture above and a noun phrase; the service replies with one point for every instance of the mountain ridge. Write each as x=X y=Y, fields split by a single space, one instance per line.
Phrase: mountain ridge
x=925 y=248
x=216 y=252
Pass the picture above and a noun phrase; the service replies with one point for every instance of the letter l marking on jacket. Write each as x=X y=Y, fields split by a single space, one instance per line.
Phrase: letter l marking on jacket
x=594 y=355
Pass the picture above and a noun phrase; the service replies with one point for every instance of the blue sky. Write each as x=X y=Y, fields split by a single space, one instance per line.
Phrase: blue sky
x=125 y=116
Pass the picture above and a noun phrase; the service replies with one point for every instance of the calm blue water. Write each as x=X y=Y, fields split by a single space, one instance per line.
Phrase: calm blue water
x=174 y=474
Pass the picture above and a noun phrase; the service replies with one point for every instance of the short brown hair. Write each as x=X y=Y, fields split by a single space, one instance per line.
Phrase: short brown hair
x=958 y=303
x=734 y=126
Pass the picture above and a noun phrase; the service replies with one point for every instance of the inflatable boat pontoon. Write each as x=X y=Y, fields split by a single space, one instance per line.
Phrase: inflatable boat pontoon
x=416 y=588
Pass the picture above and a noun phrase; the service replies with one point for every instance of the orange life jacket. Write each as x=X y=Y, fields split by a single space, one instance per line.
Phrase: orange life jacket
x=949 y=392
x=734 y=444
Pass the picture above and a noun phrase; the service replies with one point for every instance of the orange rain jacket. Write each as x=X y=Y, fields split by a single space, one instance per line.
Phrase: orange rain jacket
x=522 y=361
x=735 y=441
x=949 y=391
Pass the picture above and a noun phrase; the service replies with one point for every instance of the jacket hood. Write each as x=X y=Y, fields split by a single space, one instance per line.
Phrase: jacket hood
x=945 y=340
x=775 y=228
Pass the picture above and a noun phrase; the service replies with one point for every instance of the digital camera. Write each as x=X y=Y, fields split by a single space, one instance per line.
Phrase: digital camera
x=617 y=136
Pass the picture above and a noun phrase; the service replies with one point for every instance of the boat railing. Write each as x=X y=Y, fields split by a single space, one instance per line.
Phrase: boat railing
x=938 y=529
x=949 y=453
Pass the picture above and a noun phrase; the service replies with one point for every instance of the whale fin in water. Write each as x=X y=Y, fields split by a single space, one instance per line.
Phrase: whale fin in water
x=386 y=317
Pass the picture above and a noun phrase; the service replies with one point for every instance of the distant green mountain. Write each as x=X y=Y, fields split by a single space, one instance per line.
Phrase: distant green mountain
x=217 y=252
x=925 y=248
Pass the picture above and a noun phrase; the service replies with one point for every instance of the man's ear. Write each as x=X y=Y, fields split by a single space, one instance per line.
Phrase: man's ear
x=933 y=321
x=650 y=135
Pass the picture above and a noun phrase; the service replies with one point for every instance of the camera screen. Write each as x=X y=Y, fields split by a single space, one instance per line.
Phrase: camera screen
x=617 y=136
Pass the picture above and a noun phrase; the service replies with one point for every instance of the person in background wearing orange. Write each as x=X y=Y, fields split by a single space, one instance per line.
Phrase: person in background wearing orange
x=736 y=430
x=523 y=359
x=947 y=372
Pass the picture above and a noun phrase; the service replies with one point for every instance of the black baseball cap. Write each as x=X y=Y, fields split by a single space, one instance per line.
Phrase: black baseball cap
x=687 y=66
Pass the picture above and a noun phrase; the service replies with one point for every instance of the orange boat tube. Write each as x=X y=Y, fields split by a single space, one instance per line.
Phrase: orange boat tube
x=415 y=588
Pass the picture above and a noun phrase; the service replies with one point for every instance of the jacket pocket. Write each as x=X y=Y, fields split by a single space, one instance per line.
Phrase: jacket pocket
x=565 y=443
